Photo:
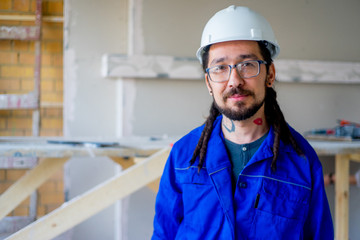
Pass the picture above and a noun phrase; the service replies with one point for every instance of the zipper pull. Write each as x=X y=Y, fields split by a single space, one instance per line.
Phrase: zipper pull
x=257 y=200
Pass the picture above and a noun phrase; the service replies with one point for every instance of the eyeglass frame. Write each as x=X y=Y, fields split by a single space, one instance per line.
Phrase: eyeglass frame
x=235 y=67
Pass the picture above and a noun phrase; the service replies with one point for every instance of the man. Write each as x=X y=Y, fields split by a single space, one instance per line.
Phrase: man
x=245 y=174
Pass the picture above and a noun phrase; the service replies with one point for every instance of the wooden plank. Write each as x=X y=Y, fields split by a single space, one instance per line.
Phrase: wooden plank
x=39 y=148
x=31 y=18
x=329 y=138
x=20 y=190
x=124 y=162
x=334 y=148
x=355 y=157
x=342 y=197
x=59 y=147
x=17 y=17
x=51 y=105
x=154 y=185
x=93 y=201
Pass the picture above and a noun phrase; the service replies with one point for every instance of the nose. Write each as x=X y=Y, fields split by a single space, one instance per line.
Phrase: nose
x=235 y=79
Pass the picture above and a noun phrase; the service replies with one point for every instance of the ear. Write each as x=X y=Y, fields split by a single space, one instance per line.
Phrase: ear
x=208 y=85
x=271 y=76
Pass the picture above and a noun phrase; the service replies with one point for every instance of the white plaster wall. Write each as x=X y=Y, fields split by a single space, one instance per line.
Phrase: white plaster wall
x=305 y=29
x=169 y=107
x=91 y=29
x=83 y=174
x=309 y=106
x=308 y=30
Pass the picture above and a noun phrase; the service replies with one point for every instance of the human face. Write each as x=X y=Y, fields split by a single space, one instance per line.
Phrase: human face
x=238 y=98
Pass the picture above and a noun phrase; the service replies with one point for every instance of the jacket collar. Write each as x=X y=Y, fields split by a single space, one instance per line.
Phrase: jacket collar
x=217 y=158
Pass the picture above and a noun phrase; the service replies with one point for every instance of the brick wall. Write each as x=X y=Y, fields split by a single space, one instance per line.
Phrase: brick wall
x=16 y=77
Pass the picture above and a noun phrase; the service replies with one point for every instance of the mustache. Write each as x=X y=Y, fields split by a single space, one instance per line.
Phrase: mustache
x=238 y=91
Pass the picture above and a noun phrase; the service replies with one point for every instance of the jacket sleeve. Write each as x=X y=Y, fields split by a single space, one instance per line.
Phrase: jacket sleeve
x=168 y=206
x=318 y=225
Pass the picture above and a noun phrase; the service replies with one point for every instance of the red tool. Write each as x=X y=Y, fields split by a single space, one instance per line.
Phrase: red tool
x=344 y=122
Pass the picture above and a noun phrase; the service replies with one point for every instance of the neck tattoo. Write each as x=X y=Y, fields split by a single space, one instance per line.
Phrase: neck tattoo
x=232 y=129
x=258 y=121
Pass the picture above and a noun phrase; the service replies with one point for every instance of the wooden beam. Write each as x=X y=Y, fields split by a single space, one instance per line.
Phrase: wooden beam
x=21 y=189
x=355 y=157
x=64 y=148
x=31 y=18
x=342 y=163
x=60 y=147
x=51 y=105
x=326 y=148
x=93 y=201
x=124 y=162
x=154 y=185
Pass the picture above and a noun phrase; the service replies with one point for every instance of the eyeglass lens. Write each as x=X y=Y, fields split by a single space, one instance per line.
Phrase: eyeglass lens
x=221 y=73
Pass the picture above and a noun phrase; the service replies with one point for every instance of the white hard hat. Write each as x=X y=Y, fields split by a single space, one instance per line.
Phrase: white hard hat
x=238 y=23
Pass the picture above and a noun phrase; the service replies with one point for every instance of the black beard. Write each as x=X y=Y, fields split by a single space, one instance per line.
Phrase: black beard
x=243 y=113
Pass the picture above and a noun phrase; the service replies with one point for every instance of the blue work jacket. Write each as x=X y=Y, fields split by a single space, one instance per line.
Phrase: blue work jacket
x=287 y=204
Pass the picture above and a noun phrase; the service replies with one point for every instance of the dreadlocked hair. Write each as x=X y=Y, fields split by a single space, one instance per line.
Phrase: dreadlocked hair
x=275 y=118
x=201 y=147
x=273 y=115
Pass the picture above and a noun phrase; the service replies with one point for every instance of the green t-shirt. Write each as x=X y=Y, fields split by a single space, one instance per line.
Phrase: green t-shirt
x=240 y=154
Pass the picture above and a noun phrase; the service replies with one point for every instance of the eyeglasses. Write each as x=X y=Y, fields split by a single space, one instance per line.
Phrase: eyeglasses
x=247 y=69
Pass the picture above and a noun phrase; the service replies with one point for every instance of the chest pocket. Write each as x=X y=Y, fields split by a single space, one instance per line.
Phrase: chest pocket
x=280 y=210
x=190 y=175
x=201 y=204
